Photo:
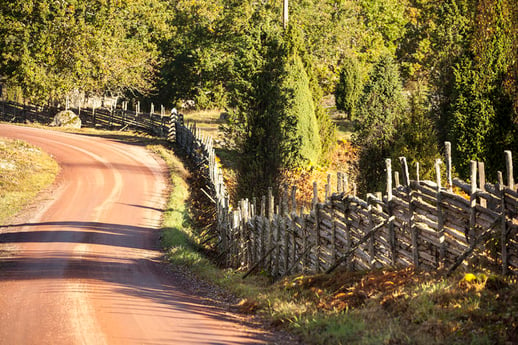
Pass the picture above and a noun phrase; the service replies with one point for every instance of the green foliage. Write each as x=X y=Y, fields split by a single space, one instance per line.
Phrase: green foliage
x=349 y=87
x=380 y=112
x=479 y=114
x=51 y=49
x=417 y=138
x=300 y=107
x=275 y=124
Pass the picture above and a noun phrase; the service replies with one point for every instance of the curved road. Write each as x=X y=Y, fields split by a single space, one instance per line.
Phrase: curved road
x=85 y=268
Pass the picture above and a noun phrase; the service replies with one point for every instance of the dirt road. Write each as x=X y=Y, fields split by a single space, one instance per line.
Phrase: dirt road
x=85 y=268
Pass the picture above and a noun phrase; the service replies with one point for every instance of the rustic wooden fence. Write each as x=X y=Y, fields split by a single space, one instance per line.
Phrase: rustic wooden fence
x=116 y=118
x=421 y=223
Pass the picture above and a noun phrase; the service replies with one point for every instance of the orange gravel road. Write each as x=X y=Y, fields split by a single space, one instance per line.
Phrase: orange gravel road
x=86 y=269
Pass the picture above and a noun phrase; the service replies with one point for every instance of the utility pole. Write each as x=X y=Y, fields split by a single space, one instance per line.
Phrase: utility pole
x=285 y=14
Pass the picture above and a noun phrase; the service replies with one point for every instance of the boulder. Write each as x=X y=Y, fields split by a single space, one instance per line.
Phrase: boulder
x=66 y=119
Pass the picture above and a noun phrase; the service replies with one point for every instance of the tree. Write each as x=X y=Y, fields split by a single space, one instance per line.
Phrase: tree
x=480 y=113
x=381 y=108
x=349 y=87
x=52 y=48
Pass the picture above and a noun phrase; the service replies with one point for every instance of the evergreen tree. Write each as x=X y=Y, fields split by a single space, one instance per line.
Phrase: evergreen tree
x=381 y=108
x=349 y=87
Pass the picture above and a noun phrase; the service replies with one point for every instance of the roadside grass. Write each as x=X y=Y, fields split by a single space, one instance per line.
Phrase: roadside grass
x=393 y=306
x=25 y=170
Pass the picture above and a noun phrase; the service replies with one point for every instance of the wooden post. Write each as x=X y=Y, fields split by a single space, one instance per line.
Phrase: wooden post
x=339 y=184
x=413 y=228
x=447 y=152
x=372 y=240
x=262 y=235
x=482 y=182
x=293 y=200
x=396 y=179
x=93 y=114
x=392 y=232
x=440 y=216
x=404 y=168
x=473 y=202
x=305 y=242
x=334 y=253
x=509 y=169
x=503 y=230
x=271 y=208
x=500 y=178
x=285 y=14
x=417 y=172
x=388 y=168
x=316 y=209
x=285 y=226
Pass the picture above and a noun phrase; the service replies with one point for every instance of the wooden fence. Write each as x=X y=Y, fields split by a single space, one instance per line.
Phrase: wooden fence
x=116 y=118
x=420 y=223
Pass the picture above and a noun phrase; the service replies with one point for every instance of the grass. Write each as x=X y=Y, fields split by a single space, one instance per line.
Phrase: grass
x=25 y=171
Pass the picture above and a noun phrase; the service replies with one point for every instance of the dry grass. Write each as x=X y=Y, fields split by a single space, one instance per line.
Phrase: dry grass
x=401 y=307
x=24 y=171
x=208 y=121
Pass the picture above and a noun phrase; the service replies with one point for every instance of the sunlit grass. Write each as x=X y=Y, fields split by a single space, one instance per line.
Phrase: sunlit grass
x=25 y=170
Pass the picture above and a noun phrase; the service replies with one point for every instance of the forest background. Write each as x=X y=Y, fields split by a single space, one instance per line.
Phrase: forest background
x=407 y=74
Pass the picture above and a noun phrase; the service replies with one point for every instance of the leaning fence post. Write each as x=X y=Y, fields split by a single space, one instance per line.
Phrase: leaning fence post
x=404 y=167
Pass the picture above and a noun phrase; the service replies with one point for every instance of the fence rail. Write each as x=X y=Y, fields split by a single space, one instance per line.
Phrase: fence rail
x=420 y=223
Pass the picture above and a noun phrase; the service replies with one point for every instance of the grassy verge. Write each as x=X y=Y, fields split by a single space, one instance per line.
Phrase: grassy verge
x=25 y=170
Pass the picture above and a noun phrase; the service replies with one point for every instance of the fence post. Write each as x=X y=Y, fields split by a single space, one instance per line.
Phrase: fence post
x=411 y=226
x=316 y=208
x=271 y=213
x=472 y=202
x=286 y=226
x=509 y=168
x=440 y=216
x=503 y=228
x=449 y=181
x=392 y=232
x=482 y=182
x=93 y=114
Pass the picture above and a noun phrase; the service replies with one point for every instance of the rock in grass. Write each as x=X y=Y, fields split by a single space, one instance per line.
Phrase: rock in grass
x=66 y=119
